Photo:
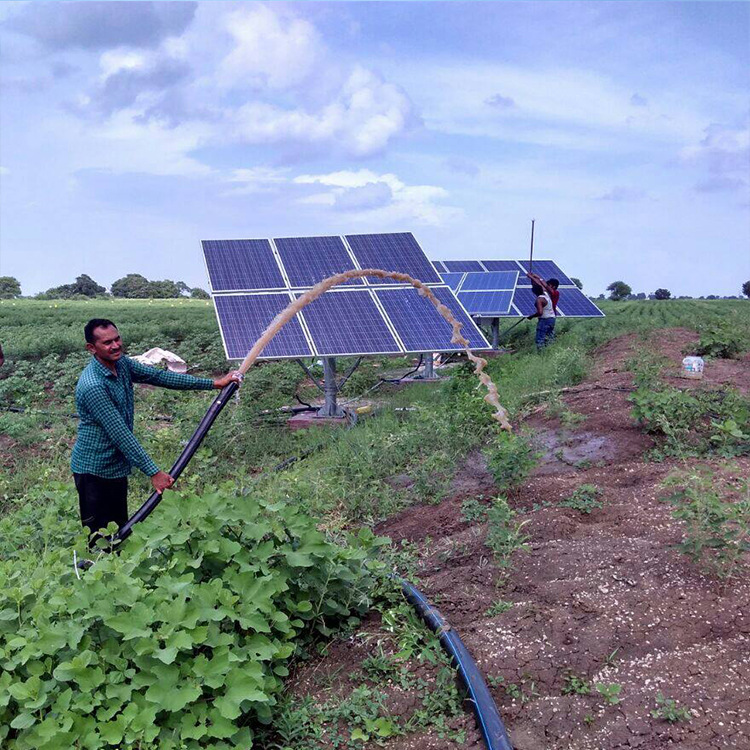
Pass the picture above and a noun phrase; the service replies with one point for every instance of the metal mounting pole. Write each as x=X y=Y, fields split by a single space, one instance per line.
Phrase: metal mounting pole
x=496 y=333
x=330 y=389
x=429 y=372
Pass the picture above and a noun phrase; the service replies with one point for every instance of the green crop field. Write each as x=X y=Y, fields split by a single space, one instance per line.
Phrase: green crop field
x=195 y=634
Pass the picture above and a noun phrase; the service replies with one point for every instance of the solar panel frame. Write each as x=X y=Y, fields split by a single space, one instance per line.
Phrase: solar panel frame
x=547 y=269
x=394 y=249
x=453 y=280
x=341 y=336
x=252 y=264
x=501 y=265
x=487 y=304
x=489 y=281
x=309 y=260
x=403 y=303
x=463 y=266
x=573 y=303
x=293 y=332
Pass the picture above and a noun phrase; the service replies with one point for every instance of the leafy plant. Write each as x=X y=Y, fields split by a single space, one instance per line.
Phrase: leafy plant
x=504 y=534
x=717 y=529
x=184 y=637
x=668 y=710
x=472 y=510
x=720 y=339
x=510 y=460
x=575 y=685
x=584 y=499
x=610 y=692
x=498 y=607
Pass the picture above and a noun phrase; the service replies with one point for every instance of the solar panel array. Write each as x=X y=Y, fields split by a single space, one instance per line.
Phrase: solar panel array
x=520 y=300
x=254 y=280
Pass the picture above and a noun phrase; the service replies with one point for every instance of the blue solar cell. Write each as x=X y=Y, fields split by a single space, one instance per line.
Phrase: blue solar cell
x=500 y=265
x=419 y=324
x=525 y=300
x=393 y=252
x=547 y=269
x=452 y=279
x=488 y=304
x=463 y=266
x=308 y=260
x=241 y=264
x=495 y=281
x=439 y=266
x=348 y=323
x=574 y=303
x=243 y=317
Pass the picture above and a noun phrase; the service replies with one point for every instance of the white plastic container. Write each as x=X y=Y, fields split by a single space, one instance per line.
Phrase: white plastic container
x=692 y=367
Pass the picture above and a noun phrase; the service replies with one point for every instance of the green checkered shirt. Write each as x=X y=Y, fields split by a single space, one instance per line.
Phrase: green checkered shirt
x=106 y=445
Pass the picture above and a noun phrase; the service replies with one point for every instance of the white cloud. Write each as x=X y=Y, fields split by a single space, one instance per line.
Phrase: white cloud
x=259 y=179
x=361 y=120
x=113 y=61
x=420 y=203
x=273 y=49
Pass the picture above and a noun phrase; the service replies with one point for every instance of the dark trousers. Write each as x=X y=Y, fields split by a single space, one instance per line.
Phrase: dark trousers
x=101 y=500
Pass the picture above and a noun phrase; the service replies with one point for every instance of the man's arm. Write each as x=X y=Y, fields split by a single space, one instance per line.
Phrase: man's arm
x=177 y=381
x=539 y=280
x=540 y=303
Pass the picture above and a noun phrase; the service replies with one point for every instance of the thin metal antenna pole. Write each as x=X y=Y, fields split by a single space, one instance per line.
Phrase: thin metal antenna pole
x=531 y=251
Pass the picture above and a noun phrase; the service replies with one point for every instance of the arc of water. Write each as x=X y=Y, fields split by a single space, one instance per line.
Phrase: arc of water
x=491 y=397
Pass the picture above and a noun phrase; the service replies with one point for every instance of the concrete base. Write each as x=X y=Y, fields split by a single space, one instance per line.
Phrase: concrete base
x=422 y=380
x=306 y=419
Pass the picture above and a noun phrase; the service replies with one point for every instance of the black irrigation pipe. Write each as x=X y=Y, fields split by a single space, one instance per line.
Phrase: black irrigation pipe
x=182 y=461
x=488 y=717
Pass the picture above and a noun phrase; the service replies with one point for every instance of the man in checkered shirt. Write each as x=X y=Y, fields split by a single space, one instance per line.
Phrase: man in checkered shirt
x=106 y=448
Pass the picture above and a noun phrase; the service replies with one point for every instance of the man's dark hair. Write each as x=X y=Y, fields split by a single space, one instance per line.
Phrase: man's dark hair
x=537 y=289
x=88 y=329
x=554 y=283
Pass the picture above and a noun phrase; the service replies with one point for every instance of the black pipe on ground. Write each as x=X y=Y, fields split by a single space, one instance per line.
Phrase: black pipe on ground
x=488 y=717
x=182 y=461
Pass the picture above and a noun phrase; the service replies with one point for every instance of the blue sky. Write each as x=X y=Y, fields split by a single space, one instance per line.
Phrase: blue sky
x=132 y=130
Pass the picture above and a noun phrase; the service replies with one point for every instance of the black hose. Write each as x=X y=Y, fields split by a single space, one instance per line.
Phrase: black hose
x=184 y=458
x=488 y=717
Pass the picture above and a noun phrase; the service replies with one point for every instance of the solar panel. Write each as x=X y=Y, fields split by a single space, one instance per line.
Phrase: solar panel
x=421 y=327
x=243 y=317
x=393 y=252
x=463 y=266
x=547 y=269
x=525 y=300
x=574 y=303
x=500 y=265
x=439 y=266
x=452 y=279
x=487 y=304
x=349 y=322
x=308 y=260
x=235 y=265
x=496 y=281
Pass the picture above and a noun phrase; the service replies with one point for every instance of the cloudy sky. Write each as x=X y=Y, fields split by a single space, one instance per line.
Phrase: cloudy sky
x=132 y=130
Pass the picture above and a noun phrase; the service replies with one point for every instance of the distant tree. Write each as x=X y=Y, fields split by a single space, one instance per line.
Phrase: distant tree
x=86 y=286
x=10 y=287
x=183 y=287
x=712 y=296
x=746 y=288
x=164 y=289
x=601 y=296
x=577 y=282
x=198 y=293
x=662 y=294
x=132 y=286
x=640 y=295
x=618 y=290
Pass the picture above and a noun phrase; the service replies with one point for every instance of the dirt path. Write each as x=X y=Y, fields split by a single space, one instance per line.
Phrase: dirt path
x=603 y=597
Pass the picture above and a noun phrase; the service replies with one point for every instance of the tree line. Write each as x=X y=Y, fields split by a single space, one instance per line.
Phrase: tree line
x=132 y=286
x=620 y=291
